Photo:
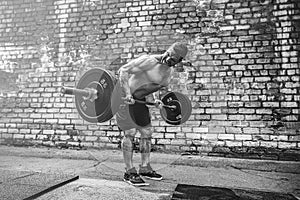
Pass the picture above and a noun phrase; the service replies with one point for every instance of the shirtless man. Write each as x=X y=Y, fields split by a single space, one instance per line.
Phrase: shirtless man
x=141 y=78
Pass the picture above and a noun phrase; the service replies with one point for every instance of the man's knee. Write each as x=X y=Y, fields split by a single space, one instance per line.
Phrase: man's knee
x=127 y=142
x=146 y=133
x=130 y=133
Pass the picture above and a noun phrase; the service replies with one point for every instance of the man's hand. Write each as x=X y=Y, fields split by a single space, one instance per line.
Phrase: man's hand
x=128 y=99
x=158 y=103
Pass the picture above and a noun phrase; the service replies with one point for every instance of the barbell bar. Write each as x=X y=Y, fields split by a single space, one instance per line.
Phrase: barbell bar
x=92 y=94
x=87 y=93
x=98 y=98
x=153 y=104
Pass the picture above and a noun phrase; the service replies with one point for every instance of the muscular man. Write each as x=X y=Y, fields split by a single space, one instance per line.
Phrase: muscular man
x=141 y=78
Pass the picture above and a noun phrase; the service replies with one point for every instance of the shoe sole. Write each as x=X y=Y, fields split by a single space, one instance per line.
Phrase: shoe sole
x=156 y=179
x=138 y=185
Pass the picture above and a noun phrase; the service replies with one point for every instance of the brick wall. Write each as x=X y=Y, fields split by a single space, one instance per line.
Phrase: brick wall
x=244 y=83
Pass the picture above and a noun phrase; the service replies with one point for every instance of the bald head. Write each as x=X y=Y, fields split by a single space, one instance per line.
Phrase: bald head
x=178 y=49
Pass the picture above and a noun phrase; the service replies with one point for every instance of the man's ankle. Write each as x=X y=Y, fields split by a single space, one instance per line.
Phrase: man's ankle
x=130 y=170
x=144 y=165
x=145 y=168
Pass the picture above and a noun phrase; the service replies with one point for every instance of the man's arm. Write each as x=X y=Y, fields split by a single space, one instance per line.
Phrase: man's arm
x=124 y=77
x=152 y=97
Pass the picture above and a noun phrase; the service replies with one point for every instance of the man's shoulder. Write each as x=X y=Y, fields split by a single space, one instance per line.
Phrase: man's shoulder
x=146 y=59
x=145 y=56
x=140 y=58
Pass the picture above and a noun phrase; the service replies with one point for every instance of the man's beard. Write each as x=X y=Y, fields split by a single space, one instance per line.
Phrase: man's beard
x=168 y=62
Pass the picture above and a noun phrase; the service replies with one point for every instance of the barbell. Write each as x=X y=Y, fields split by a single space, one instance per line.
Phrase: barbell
x=98 y=96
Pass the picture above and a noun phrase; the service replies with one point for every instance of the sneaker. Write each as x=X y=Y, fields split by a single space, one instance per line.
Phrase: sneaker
x=133 y=178
x=149 y=173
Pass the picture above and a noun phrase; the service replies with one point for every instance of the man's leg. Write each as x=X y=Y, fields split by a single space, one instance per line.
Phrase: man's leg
x=145 y=148
x=131 y=176
x=127 y=147
x=145 y=145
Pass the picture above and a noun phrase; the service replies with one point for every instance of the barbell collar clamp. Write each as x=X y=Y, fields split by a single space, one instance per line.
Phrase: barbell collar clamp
x=93 y=94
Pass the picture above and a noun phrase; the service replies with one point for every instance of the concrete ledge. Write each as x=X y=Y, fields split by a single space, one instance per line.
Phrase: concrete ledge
x=246 y=164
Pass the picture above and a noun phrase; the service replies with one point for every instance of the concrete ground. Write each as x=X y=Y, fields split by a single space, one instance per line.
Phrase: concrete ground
x=100 y=174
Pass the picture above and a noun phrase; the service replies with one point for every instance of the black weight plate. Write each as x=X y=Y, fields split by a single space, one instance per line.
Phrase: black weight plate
x=183 y=108
x=99 y=109
x=112 y=111
x=116 y=98
x=189 y=108
x=173 y=116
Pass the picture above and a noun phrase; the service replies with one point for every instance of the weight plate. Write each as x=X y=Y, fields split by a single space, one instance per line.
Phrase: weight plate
x=113 y=102
x=183 y=108
x=98 y=110
x=116 y=98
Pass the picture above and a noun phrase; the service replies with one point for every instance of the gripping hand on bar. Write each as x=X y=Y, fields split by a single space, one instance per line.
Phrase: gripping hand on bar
x=155 y=103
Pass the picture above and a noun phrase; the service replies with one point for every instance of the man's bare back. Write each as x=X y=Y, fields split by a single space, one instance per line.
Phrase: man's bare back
x=147 y=75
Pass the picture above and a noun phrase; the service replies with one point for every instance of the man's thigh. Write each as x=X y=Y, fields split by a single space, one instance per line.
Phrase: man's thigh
x=133 y=116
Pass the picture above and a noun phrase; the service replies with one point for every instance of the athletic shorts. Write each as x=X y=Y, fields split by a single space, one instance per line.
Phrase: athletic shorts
x=133 y=116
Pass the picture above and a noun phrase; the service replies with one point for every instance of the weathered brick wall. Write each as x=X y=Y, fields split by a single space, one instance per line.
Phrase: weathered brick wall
x=244 y=83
